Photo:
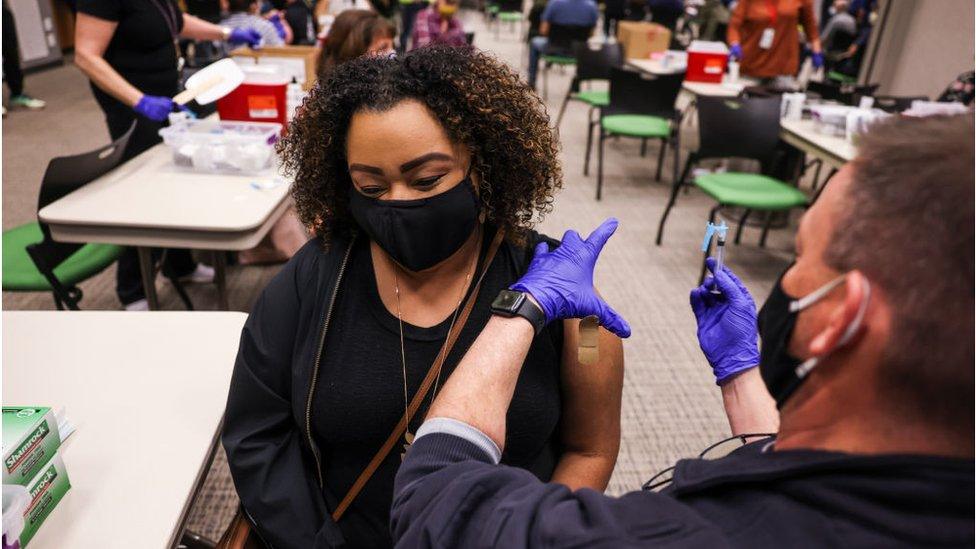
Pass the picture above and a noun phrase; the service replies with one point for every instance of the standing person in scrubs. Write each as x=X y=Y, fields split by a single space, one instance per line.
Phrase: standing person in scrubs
x=129 y=51
x=763 y=35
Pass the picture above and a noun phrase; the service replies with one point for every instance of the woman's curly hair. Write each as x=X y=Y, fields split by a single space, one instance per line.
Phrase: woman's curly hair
x=482 y=105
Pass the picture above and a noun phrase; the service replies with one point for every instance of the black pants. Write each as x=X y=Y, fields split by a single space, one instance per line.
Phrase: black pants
x=179 y=262
x=408 y=14
x=11 y=55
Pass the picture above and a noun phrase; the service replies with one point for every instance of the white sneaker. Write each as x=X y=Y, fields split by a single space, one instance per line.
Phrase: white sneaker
x=201 y=275
x=140 y=305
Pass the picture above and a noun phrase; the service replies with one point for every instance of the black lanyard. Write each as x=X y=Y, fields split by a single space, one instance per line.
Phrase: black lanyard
x=170 y=17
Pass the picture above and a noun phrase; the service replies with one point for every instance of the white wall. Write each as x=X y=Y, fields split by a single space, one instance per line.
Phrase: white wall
x=924 y=46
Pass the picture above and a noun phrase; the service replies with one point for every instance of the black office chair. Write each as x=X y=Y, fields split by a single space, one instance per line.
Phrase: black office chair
x=641 y=106
x=738 y=128
x=591 y=65
x=33 y=261
x=560 y=49
x=847 y=94
x=896 y=104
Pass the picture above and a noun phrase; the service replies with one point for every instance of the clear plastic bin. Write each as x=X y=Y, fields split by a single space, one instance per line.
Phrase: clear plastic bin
x=222 y=146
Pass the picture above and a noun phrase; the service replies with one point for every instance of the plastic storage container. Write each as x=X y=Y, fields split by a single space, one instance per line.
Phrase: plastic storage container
x=263 y=97
x=221 y=146
x=15 y=501
x=706 y=61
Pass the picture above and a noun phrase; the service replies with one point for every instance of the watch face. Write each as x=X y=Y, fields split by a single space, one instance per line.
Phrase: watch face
x=508 y=300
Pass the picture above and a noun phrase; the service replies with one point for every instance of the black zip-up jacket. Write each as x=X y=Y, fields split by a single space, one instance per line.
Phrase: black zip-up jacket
x=448 y=493
x=266 y=433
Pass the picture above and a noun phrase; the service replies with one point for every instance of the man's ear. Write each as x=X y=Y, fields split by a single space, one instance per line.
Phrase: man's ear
x=843 y=315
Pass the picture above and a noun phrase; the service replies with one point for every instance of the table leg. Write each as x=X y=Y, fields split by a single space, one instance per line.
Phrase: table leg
x=220 y=278
x=148 y=270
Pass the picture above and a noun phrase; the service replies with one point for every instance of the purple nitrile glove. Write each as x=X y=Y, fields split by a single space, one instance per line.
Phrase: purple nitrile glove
x=247 y=36
x=735 y=52
x=561 y=281
x=155 y=107
x=279 y=27
x=817 y=59
x=727 y=328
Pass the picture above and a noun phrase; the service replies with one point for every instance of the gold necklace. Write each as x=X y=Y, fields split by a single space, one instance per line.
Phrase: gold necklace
x=408 y=436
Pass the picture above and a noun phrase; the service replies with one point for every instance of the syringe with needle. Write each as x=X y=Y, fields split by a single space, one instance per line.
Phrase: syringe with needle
x=719 y=231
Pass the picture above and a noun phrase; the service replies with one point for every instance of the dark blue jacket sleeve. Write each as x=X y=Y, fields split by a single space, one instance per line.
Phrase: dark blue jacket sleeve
x=273 y=477
x=448 y=494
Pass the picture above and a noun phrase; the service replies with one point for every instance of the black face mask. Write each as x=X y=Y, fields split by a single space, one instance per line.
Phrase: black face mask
x=776 y=365
x=419 y=234
x=782 y=372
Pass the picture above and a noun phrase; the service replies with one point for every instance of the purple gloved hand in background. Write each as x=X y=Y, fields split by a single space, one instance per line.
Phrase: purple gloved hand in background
x=818 y=59
x=727 y=328
x=279 y=27
x=561 y=281
x=155 y=107
x=735 y=52
x=246 y=36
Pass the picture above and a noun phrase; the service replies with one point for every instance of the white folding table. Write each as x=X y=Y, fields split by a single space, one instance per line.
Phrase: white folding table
x=835 y=151
x=146 y=392
x=150 y=202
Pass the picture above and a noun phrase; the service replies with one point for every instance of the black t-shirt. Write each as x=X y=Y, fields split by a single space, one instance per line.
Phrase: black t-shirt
x=142 y=49
x=360 y=392
x=299 y=17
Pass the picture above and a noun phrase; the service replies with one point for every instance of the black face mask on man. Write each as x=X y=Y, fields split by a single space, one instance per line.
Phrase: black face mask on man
x=421 y=233
x=781 y=372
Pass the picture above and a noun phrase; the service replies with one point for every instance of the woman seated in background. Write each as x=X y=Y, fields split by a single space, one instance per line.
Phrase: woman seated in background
x=439 y=24
x=421 y=176
x=355 y=33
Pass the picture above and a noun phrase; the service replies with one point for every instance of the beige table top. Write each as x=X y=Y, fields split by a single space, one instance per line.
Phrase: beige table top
x=146 y=392
x=654 y=66
x=834 y=150
x=149 y=201
x=725 y=89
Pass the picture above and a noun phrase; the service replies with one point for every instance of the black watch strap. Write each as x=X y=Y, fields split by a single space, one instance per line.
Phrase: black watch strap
x=510 y=303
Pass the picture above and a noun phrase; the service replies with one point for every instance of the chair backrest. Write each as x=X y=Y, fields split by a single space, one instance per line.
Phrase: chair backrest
x=596 y=64
x=738 y=127
x=469 y=38
x=64 y=175
x=562 y=38
x=632 y=92
x=893 y=103
x=843 y=93
x=510 y=5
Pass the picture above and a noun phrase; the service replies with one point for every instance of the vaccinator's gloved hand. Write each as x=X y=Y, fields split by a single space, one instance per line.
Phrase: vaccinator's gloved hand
x=155 y=107
x=278 y=25
x=735 y=52
x=817 y=59
x=727 y=330
x=246 y=36
x=561 y=281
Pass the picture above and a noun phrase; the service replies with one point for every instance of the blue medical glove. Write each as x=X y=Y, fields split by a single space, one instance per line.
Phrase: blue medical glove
x=727 y=330
x=561 y=281
x=155 y=107
x=279 y=27
x=817 y=59
x=735 y=52
x=247 y=36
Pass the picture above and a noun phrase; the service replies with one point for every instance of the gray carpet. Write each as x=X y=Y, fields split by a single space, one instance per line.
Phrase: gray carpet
x=671 y=406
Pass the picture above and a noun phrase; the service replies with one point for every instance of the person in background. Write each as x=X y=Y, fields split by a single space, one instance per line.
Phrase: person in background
x=12 y=72
x=840 y=30
x=130 y=53
x=715 y=19
x=414 y=174
x=763 y=36
x=244 y=14
x=961 y=90
x=408 y=15
x=355 y=33
x=665 y=12
x=298 y=15
x=867 y=353
x=439 y=24
x=576 y=13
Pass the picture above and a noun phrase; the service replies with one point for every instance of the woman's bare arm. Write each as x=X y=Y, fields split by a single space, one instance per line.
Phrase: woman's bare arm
x=92 y=36
x=198 y=29
x=748 y=404
x=590 y=432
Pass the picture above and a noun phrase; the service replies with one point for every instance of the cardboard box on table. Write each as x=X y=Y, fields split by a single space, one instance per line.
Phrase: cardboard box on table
x=640 y=39
x=299 y=62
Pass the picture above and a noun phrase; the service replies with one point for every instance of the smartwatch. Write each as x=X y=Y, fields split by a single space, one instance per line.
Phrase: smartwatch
x=511 y=303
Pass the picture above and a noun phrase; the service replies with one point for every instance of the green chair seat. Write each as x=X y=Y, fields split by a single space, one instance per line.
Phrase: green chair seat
x=20 y=273
x=510 y=16
x=751 y=190
x=841 y=77
x=596 y=98
x=559 y=60
x=636 y=125
x=493 y=9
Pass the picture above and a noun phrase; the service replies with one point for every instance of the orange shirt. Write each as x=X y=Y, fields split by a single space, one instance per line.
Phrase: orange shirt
x=750 y=20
